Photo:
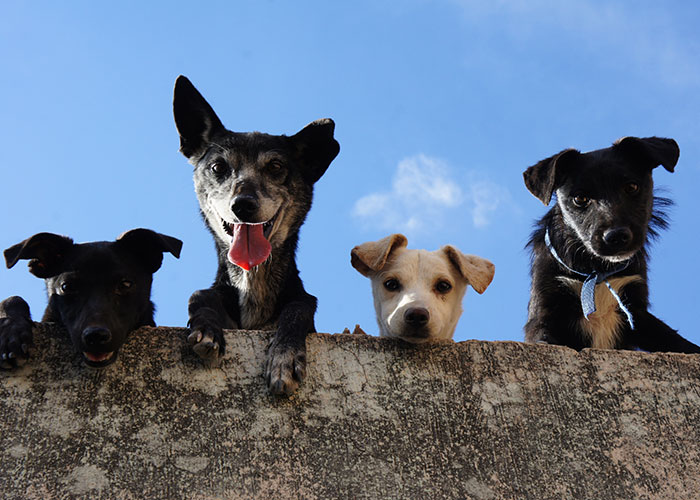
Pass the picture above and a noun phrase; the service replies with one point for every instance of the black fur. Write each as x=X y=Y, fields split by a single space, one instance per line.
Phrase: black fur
x=253 y=178
x=605 y=214
x=99 y=292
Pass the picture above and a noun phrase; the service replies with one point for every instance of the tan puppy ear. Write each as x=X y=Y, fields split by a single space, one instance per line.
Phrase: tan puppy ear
x=477 y=271
x=370 y=257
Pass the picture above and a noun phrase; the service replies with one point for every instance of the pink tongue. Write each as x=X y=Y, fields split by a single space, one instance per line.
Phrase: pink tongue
x=249 y=246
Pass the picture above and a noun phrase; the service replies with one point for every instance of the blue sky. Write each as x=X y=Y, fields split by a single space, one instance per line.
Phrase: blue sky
x=439 y=107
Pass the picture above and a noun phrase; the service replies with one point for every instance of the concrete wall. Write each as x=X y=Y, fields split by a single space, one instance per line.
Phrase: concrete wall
x=374 y=419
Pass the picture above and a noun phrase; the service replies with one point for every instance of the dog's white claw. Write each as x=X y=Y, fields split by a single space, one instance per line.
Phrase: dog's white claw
x=194 y=337
x=204 y=345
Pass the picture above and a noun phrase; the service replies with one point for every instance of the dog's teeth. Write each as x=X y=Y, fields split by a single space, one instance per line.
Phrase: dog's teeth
x=227 y=227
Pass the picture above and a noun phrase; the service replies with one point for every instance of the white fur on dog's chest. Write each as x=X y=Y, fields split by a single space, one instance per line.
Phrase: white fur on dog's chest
x=255 y=303
x=603 y=326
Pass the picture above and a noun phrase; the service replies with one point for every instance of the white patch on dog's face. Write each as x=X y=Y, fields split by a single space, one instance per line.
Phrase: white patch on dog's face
x=421 y=277
x=571 y=222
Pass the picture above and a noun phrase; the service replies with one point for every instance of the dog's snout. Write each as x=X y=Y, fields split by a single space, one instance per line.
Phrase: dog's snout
x=95 y=336
x=617 y=237
x=244 y=206
x=416 y=316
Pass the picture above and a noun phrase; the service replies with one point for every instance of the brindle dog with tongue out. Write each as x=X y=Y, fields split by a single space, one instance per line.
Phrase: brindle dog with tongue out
x=254 y=191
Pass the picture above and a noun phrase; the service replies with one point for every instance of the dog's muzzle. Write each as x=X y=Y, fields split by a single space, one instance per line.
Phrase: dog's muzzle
x=96 y=339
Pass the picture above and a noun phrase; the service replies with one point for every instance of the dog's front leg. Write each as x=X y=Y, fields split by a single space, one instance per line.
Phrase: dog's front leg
x=209 y=314
x=16 y=335
x=285 y=364
x=550 y=321
x=654 y=335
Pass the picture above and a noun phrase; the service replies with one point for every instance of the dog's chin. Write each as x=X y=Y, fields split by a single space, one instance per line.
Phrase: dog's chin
x=99 y=359
x=412 y=335
x=616 y=258
x=619 y=258
x=411 y=339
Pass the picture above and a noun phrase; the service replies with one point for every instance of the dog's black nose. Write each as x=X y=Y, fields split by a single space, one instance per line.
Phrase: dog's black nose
x=94 y=336
x=617 y=237
x=416 y=316
x=245 y=206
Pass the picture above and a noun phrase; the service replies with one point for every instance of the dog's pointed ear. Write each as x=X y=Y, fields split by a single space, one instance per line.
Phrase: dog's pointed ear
x=369 y=258
x=195 y=119
x=46 y=253
x=650 y=152
x=316 y=147
x=542 y=179
x=477 y=271
x=149 y=246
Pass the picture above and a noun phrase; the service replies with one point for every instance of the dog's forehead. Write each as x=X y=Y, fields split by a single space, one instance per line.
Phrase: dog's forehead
x=605 y=155
x=604 y=167
x=250 y=145
x=421 y=262
x=97 y=258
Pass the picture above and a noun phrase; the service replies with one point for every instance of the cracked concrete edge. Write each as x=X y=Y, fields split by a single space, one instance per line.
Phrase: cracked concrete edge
x=375 y=418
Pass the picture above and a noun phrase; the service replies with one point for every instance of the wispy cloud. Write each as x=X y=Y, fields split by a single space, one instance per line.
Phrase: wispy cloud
x=648 y=39
x=485 y=198
x=424 y=195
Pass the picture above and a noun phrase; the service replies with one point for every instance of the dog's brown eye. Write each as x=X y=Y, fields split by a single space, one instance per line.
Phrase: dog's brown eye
x=124 y=287
x=392 y=284
x=581 y=200
x=443 y=286
x=66 y=288
x=276 y=169
x=631 y=188
x=218 y=167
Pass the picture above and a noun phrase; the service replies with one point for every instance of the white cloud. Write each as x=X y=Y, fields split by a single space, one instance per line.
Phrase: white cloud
x=424 y=195
x=485 y=198
x=421 y=190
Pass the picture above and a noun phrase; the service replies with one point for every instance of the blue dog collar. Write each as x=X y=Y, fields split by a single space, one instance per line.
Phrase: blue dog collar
x=590 y=282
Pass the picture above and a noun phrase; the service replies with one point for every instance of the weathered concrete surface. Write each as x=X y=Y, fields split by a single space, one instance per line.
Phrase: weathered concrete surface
x=374 y=419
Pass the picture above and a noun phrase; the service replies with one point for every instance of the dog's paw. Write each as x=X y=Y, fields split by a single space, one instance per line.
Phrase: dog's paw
x=285 y=367
x=208 y=346
x=15 y=340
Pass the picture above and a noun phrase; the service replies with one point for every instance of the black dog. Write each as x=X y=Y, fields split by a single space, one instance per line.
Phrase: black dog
x=589 y=258
x=99 y=292
x=254 y=192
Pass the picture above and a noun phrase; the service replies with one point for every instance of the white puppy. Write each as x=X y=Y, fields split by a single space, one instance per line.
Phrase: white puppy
x=418 y=294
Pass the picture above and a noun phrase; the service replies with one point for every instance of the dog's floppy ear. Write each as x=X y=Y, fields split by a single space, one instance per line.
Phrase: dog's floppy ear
x=370 y=257
x=543 y=178
x=195 y=119
x=148 y=246
x=477 y=271
x=46 y=253
x=650 y=152
x=316 y=148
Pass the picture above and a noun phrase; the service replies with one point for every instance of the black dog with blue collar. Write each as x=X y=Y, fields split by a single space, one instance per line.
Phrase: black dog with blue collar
x=589 y=256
